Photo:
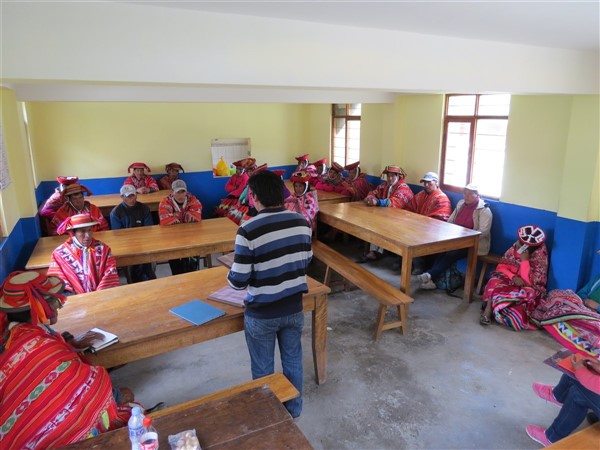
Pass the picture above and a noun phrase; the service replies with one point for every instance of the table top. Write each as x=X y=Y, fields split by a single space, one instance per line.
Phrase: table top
x=324 y=197
x=107 y=202
x=250 y=419
x=139 y=314
x=396 y=226
x=153 y=243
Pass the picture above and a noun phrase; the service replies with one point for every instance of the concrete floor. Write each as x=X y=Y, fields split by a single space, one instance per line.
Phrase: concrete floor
x=448 y=383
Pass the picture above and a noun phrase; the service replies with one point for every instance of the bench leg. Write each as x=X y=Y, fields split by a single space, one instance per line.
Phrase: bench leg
x=401 y=323
x=327 y=278
x=484 y=266
x=380 y=320
x=403 y=317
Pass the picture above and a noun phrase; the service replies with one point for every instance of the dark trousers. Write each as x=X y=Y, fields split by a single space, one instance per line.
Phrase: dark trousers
x=141 y=272
x=183 y=265
x=444 y=260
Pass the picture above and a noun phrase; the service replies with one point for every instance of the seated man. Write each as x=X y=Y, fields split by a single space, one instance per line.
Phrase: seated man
x=393 y=193
x=75 y=203
x=56 y=200
x=173 y=170
x=51 y=396
x=360 y=186
x=143 y=183
x=431 y=201
x=82 y=262
x=473 y=213
x=130 y=214
x=180 y=207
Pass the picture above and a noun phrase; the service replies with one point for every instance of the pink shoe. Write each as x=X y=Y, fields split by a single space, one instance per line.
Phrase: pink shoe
x=544 y=392
x=538 y=434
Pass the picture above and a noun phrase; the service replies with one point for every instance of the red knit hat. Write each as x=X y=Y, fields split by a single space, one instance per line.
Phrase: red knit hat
x=75 y=188
x=173 y=166
x=138 y=165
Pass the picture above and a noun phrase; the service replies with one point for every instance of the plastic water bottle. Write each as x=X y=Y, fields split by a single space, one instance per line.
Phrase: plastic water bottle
x=149 y=440
x=136 y=427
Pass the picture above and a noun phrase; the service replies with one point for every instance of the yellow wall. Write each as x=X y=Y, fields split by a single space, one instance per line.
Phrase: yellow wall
x=97 y=140
x=317 y=134
x=18 y=199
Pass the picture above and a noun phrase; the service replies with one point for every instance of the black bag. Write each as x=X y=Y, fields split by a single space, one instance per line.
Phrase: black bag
x=450 y=280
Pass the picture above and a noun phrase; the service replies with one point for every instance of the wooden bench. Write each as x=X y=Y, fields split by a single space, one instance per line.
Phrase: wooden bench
x=485 y=261
x=588 y=438
x=386 y=294
x=277 y=382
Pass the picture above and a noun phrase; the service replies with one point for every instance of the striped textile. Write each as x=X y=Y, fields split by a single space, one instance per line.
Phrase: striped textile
x=84 y=269
x=272 y=252
x=49 y=396
x=435 y=205
x=171 y=213
x=307 y=205
x=145 y=181
x=397 y=195
x=67 y=210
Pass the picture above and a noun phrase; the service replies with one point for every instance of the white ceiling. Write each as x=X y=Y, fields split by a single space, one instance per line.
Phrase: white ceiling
x=557 y=24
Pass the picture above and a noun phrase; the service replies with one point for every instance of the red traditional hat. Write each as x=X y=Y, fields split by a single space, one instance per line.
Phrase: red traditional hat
x=531 y=235
x=74 y=189
x=139 y=165
x=67 y=180
x=246 y=163
x=76 y=221
x=394 y=169
x=170 y=166
x=302 y=158
x=300 y=177
x=337 y=167
x=352 y=166
x=259 y=168
x=321 y=161
x=279 y=172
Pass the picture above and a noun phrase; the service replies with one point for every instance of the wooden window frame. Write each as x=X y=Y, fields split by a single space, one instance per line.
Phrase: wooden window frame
x=347 y=117
x=471 y=119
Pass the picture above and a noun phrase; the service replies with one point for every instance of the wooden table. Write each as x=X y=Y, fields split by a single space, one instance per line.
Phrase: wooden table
x=324 y=197
x=252 y=419
x=152 y=244
x=404 y=233
x=107 y=202
x=139 y=315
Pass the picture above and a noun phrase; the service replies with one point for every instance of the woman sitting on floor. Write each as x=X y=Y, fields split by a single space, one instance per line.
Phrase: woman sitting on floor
x=303 y=201
x=50 y=396
x=519 y=281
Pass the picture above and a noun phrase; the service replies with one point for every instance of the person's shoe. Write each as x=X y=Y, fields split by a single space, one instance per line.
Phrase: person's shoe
x=424 y=277
x=592 y=418
x=538 y=434
x=157 y=407
x=416 y=271
x=544 y=392
x=428 y=286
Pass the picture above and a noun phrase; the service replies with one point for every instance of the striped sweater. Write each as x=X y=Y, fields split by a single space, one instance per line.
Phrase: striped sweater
x=272 y=253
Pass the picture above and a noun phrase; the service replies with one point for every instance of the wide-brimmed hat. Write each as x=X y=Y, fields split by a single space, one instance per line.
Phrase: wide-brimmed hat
x=246 y=163
x=322 y=161
x=259 y=168
x=430 y=176
x=302 y=158
x=23 y=291
x=76 y=221
x=178 y=186
x=67 y=180
x=138 y=165
x=397 y=170
x=74 y=188
x=173 y=166
x=531 y=235
x=336 y=167
x=278 y=172
x=300 y=177
x=352 y=166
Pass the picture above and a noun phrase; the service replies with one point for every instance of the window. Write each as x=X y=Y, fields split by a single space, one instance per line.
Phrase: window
x=474 y=142
x=345 y=133
x=229 y=150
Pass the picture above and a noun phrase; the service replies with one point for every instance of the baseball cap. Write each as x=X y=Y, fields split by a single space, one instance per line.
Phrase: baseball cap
x=178 y=186
x=127 y=190
x=430 y=176
x=472 y=187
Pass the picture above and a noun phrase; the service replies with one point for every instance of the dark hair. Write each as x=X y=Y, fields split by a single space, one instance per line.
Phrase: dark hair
x=20 y=316
x=268 y=188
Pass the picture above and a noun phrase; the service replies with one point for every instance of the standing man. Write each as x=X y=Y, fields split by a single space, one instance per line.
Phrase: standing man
x=272 y=253
x=129 y=214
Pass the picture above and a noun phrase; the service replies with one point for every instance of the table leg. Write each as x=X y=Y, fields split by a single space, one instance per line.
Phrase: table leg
x=319 y=338
x=405 y=273
x=471 y=270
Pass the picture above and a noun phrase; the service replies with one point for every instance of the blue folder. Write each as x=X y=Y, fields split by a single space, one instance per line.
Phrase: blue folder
x=197 y=312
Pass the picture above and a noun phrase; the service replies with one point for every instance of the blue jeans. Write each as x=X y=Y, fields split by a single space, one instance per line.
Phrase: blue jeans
x=445 y=260
x=576 y=400
x=260 y=337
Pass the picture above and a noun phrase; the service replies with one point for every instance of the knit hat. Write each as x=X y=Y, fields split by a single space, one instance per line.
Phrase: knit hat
x=76 y=221
x=173 y=166
x=22 y=291
x=531 y=235
x=138 y=165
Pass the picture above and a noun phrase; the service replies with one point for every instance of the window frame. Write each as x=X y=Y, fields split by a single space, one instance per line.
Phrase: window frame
x=347 y=117
x=472 y=120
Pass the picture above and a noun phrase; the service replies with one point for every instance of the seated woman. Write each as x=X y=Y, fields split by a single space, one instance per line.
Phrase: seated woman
x=303 y=162
x=240 y=209
x=519 y=281
x=82 y=262
x=236 y=185
x=56 y=200
x=143 y=182
x=573 y=319
x=303 y=200
x=334 y=181
x=51 y=396
x=358 y=180
x=173 y=170
x=317 y=170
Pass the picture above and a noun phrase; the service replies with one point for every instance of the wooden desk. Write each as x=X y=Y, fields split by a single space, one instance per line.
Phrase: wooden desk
x=585 y=439
x=250 y=419
x=119 y=310
x=152 y=244
x=107 y=202
x=404 y=233
x=324 y=197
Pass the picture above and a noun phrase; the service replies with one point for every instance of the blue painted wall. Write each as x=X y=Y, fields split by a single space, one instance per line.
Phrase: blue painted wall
x=17 y=247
